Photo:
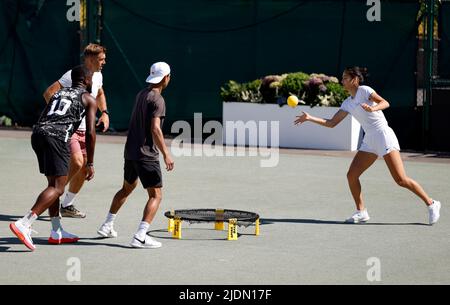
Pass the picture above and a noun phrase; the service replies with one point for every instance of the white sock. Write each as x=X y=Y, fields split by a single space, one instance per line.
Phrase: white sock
x=68 y=199
x=110 y=218
x=142 y=230
x=28 y=219
x=56 y=223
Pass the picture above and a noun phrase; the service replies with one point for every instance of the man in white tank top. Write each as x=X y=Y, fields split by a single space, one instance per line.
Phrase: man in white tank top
x=366 y=106
x=94 y=60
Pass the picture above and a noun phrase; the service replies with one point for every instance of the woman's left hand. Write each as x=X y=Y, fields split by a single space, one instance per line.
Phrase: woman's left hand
x=367 y=108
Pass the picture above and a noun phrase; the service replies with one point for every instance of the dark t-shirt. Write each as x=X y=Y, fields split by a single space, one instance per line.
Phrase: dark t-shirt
x=63 y=114
x=140 y=146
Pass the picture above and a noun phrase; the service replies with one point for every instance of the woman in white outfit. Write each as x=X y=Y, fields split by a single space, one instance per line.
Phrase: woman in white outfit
x=366 y=106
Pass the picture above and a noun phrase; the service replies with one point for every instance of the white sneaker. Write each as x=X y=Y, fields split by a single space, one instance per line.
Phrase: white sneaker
x=434 y=212
x=23 y=233
x=62 y=237
x=358 y=216
x=147 y=242
x=107 y=230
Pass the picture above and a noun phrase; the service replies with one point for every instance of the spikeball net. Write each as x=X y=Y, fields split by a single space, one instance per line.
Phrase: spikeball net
x=234 y=218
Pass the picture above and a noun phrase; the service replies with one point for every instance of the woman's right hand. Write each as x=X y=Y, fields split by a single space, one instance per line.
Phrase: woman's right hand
x=302 y=118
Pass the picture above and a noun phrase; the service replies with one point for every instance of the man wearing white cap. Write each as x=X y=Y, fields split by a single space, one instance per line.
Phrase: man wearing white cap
x=144 y=142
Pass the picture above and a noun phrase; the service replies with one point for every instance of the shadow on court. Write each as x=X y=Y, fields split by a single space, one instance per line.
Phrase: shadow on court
x=13 y=218
x=203 y=234
x=9 y=241
x=268 y=221
x=87 y=242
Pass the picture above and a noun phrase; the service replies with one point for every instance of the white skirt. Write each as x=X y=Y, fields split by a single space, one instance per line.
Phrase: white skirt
x=380 y=142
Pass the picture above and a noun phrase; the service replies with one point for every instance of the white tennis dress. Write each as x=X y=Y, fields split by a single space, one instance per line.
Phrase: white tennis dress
x=379 y=138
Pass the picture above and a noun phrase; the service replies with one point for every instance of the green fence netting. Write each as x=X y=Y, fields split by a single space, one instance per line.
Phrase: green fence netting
x=207 y=43
x=444 y=45
x=37 y=43
x=210 y=42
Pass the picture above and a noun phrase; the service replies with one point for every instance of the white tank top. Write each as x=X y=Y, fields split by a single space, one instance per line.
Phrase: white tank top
x=97 y=83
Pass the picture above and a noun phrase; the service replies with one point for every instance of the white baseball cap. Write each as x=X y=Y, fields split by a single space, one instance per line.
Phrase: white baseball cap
x=157 y=72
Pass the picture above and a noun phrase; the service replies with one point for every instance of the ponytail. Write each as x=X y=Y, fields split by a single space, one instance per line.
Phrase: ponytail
x=361 y=73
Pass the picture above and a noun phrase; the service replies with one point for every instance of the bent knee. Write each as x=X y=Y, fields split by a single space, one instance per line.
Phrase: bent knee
x=156 y=193
x=59 y=190
x=159 y=195
x=403 y=182
x=128 y=188
x=126 y=191
x=77 y=161
x=352 y=176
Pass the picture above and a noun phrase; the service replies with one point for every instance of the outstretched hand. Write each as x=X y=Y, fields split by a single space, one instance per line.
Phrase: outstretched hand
x=302 y=118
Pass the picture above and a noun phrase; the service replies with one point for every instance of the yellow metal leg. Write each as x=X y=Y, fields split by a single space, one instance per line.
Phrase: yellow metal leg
x=170 y=226
x=219 y=220
x=177 y=228
x=232 y=229
x=257 y=227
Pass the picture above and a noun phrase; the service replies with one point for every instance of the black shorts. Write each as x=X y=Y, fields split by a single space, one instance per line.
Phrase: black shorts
x=53 y=155
x=149 y=172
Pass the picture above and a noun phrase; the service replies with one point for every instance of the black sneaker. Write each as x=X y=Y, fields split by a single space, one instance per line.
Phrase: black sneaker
x=72 y=212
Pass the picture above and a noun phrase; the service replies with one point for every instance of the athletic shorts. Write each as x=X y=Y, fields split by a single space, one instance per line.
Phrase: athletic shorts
x=53 y=155
x=380 y=142
x=149 y=172
x=78 y=143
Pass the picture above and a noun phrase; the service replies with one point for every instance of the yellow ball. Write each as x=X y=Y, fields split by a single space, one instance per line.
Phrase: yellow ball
x=292 y=101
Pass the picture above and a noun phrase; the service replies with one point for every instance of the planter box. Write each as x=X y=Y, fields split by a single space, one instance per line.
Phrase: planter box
x=345 y=136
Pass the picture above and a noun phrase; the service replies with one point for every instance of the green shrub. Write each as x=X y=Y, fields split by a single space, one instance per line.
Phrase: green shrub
x=293 y=84
x=312 y=90
x=338 y=94
x=247 y=92
x=250 y=92
x=231 y=91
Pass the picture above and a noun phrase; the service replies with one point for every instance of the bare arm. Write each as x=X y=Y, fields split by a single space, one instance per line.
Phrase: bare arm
x=48 y=93
x=158 y=139
x=91 y=110
x=381 y=103
x=101 y=103
x=336 y=119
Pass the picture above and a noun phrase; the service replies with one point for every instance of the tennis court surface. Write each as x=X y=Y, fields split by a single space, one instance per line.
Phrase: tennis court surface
x=302 y=203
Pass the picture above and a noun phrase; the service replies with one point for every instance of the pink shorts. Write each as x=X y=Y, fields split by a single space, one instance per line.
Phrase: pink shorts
x=78 y=143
